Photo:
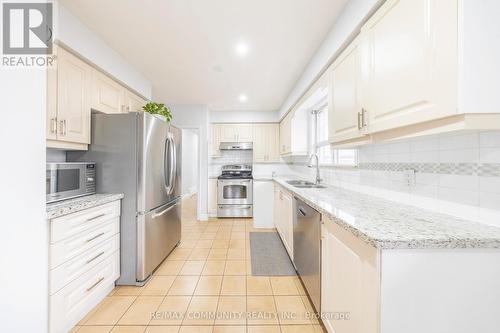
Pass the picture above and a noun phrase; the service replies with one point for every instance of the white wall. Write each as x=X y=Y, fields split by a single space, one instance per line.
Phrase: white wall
x=72 y=32
x=23 y=239
x=348 y=22
x=190 y=164
x=244 y=116
x=197 y=116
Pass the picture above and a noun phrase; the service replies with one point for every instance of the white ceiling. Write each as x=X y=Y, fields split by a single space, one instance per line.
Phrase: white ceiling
x=186 y=48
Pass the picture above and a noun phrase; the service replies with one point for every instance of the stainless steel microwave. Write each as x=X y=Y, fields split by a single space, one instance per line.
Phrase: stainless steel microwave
x=69 y=180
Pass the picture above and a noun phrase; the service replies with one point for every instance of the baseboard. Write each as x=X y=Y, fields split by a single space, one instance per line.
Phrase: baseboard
x=203 y=217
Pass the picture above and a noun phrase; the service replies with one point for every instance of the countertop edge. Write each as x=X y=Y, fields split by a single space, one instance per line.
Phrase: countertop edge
x=62 y=208
x=381 y=244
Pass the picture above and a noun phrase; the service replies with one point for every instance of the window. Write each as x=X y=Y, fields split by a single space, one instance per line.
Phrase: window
x=320 y=144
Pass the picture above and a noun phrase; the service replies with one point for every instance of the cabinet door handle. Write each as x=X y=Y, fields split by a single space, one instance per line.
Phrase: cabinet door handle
x=359 y=121
x=95 y=284
x=95 y=217
x=363 y=119
x=64 y=123
x=53 y=125
x=95 y=237
x=94 y=258
x=61 y=127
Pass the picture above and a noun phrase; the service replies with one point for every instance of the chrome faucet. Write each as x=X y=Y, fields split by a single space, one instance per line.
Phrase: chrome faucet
x=318 y=178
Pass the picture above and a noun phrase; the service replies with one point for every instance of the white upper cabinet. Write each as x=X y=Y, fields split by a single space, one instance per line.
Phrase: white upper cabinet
x=107 y=94
x=216 y=140
x=265 y=143
x=408 y=63
x=133 y=102
x=73 y=99
x=236 y=133
x=345 y=111
x=294 y=133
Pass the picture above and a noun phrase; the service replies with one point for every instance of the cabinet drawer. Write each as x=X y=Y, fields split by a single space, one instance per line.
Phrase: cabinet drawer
x=72 y=224
x=72 y=269
x=73 y=302
x=69 y=248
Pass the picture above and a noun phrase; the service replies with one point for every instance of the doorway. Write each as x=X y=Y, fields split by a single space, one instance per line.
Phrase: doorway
x=190 y=174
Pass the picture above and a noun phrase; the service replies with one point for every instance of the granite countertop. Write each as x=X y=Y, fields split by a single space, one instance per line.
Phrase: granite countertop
x=389 y=225
x=69 y=206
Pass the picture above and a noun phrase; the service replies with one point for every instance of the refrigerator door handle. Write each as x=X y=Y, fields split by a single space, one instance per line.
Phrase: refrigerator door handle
x=166 y=167
x=173 y=167
x=158 y=214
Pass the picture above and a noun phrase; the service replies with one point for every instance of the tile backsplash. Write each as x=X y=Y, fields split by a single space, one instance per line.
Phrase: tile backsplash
x=454 y=174
x=229 y=157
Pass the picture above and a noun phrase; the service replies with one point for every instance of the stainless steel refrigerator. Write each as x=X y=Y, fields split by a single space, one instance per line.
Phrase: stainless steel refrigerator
x=139 y=155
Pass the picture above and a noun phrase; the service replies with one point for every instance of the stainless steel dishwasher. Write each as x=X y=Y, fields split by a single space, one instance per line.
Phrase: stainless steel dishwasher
x=307 y=249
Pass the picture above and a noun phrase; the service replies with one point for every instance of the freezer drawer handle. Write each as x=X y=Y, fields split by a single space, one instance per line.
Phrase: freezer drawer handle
x=155 y=215
x=95 y=284
x=95 y=237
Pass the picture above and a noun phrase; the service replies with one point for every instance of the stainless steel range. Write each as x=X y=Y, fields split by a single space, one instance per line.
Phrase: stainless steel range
x=235 y=191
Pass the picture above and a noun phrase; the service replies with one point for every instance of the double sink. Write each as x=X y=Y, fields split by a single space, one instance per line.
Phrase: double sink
x=304 y=184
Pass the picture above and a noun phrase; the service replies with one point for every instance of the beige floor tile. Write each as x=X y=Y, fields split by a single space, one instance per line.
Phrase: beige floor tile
x=236 y=254
x=208 y=235
x=233 y=285
x=95 y=329
x=171 y=311
x=297 y=329
x=201 y=311
x=217 y=254
x=229 y=329
x=170 y=267
x=284 y=285
x=162 y=329
x=110 y=310
x=287 y=305
x=319 y=329
x=259 y=286
x=220 y=244
x=236 y=267
x=128 y=329
x=183 y=285
x=187 y=244
x=192 y=235
x=249 y=264
x=204 y=244
x=158 y=285
x=222 y=235
x=140 y=311
x=263 y=329
x=74 y=329
x=310 y=309
x=231 y=310
x=199 y=254
x=214 y=267
x=262 y=310
x=193 y=267
x=208 y=285
x=196 y=329
x=299 y=286
x=238 y=234
x=179 y=254
x=127 y=291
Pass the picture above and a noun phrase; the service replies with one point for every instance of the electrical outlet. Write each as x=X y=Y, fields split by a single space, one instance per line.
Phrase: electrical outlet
x=411 y=177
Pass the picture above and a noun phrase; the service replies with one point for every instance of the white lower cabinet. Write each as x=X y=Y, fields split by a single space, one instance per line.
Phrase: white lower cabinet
x=283 y=217
x=350 y=281
x=84 y=263
x=263 y=204
x=212 y=197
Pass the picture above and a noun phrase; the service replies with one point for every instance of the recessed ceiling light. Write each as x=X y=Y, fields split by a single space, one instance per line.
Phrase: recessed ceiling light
x=243 y=98
x=241 y=49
